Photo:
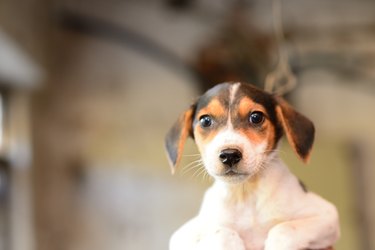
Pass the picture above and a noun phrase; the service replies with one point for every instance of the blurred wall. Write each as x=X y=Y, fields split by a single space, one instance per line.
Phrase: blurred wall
x=100 y=177
x=28 y=23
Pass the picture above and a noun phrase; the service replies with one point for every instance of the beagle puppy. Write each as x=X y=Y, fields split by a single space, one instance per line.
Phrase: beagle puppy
x=255 y=202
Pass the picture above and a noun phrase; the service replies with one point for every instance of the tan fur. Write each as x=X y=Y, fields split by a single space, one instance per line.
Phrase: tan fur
x=246 y=105
x=213 y=108
x=184 y=121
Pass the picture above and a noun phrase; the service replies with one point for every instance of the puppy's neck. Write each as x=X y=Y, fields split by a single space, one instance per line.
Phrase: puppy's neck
x=258 y=186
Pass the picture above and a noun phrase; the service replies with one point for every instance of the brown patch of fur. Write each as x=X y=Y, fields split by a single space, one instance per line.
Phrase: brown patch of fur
x=257 y=135
x=271 y=138
x=245 y=105
x=176 y=138
x=218 y=112
x=187 y=121
x=254 y=136
x=214 y=108
x=287 y=129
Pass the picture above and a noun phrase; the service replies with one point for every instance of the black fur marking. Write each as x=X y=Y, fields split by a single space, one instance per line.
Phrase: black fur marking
x=300 y=130
x=303 y=186
x=304 y=131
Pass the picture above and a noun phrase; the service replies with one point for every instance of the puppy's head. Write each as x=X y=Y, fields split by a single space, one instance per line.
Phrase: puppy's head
x=236 y=128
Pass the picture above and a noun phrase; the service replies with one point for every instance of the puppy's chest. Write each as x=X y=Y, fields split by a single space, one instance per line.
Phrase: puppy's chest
x=250 y=220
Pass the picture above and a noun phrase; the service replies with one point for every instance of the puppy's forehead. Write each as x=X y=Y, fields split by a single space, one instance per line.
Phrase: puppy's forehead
x=254 y=94
x=216 y=95
x=234 y=95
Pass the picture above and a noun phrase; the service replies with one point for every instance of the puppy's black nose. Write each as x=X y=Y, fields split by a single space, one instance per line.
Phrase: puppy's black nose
x=230 y=157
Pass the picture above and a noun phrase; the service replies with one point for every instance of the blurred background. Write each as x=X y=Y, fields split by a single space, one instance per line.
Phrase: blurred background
x=88 y=89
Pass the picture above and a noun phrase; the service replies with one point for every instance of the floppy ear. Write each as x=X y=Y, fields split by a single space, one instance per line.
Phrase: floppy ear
x=299 y=130
x=177 y=135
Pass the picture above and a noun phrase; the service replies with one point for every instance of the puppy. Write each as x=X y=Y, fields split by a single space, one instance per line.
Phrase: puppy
x=255 y=202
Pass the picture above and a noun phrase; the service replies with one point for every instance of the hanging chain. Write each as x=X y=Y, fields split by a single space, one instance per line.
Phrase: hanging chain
x=281 y=80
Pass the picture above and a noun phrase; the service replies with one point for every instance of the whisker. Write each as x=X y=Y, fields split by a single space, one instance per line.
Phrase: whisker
x=191 y=155
x=204 y=176
x=198 y=172
x=193 y=176
x=207 y=176
x=196 y=166
x=192 y=163
x=261 y=161
x=275 y=151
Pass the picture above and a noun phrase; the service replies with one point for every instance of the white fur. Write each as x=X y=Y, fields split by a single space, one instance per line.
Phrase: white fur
x=251 y=163
x=233 y=90
x=265 y=208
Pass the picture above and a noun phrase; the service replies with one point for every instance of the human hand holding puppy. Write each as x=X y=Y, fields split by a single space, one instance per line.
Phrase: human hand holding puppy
x=255 y=202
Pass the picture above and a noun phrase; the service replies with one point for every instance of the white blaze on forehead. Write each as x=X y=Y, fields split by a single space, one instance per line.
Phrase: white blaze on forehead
x=233 y=90
x=232 y=93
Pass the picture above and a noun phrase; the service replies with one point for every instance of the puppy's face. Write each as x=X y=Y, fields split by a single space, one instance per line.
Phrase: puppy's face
x=236 y=128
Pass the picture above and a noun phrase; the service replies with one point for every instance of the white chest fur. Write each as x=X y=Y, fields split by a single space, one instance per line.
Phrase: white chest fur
x=253 y=208
x=271 y=211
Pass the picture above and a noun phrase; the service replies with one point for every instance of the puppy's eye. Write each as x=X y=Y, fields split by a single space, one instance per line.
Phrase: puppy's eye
x=205 y=121
x=256 y=118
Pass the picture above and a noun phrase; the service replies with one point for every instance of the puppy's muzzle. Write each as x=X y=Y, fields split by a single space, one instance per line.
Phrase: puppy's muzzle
x=230 y=157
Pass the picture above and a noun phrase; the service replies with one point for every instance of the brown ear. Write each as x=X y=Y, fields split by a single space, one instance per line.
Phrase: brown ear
x=177 y=135
x=299 y=130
